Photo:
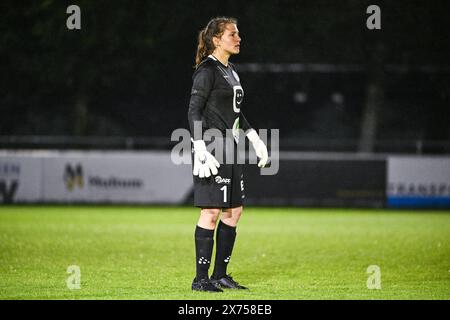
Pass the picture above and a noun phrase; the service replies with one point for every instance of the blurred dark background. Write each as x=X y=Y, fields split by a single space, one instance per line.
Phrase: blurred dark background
x=309 y=68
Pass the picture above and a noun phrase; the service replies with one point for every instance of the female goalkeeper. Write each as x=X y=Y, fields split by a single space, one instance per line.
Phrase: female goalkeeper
x=215 y=103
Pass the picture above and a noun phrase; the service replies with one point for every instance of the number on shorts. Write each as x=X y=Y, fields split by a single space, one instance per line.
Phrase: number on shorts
x=224 y=189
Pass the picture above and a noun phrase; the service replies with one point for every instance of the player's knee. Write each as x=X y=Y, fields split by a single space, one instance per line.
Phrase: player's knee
x=237 y=212
x=211 y=214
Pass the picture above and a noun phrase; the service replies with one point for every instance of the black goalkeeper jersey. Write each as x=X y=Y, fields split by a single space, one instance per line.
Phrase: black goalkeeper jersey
x=216 y=98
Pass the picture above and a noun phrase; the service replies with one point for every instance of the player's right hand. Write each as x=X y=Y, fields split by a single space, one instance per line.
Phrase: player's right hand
x=204 y=162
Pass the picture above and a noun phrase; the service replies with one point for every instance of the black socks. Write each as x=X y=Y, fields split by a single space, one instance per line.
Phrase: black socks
x=204 y=242
x=225 y=241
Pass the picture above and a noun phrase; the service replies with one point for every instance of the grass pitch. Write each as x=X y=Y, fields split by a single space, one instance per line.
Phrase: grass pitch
x=280 y=253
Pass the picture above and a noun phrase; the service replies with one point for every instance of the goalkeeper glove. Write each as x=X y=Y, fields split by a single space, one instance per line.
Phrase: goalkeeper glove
x=259 y=146
x=204 y=162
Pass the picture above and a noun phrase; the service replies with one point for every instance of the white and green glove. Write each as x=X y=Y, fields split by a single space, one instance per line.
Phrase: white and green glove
x=204 y=162
x=259 y=146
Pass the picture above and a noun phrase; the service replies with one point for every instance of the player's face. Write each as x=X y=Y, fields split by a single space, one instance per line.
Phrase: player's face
x=230 y=40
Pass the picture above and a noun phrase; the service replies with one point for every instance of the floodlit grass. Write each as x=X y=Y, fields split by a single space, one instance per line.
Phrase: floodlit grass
x=280 y=253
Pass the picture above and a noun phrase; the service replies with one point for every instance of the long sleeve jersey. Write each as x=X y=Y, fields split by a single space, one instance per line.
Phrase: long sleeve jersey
x=216 y=98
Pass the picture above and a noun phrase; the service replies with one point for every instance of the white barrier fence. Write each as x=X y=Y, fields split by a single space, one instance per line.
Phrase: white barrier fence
x=151 y=177
x=418 y=182
x=115 y=177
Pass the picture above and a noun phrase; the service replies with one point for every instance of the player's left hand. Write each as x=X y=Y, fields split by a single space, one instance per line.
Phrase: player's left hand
x=259 y=146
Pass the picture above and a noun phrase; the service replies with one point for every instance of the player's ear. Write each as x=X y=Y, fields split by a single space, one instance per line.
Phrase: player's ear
x=216 y=41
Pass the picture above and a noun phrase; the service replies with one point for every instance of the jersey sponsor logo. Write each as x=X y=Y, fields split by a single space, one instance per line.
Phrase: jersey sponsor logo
x=220 y=180
x=237 y=98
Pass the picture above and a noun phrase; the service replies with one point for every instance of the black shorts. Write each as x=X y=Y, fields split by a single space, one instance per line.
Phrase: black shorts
x=224 y=190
